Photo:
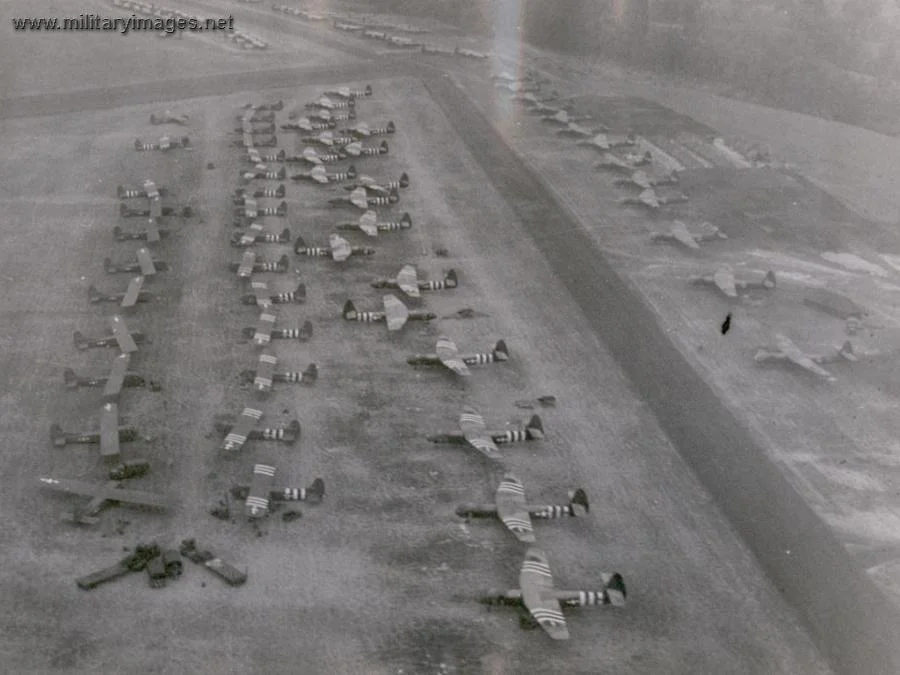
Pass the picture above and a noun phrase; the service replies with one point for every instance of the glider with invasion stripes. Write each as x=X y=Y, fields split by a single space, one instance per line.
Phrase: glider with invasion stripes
x=532 y=431
x=723 y=280
x=243 y=429
x=515 y=513
x=265 y=374
x=786 y=350
x=339 y=249
x=360 y=199
x=447 y=355
x=368 y=223
x=121 y=337
x=544 y=603
x=261 y=493
x=680 y=234
x=407 y=280
x=395 y=314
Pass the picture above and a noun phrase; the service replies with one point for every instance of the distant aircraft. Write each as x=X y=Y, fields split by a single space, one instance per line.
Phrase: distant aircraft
x=407 y=281
x=472 y=54
x=129 y=298
x=250 y=209
x=254 y=156
x=264 y=332
x=330 y=104
x=145 y=264
x=786 y=350
x=125 y=340
x=289 y=434
x=576 y=130
x=318 y=174
x=262 y=172
x=297 y=296
x=101 y=493
x=650 y=200
x=371 y=186
x=311 y=157
x=242 y=194
x=607 y=142
x=256 y=235
x=679 y=233
x=610 y=162
x=533 y=431
x=168 y=117
x=437 y=49
x=119 y=377
x=326 y=115
x=399 y=41
x=723 y=280
x=515 y=513
x=327 y=139
x=257 y=266
x=368 y=223
x=395 y=314
x=360 y=199
x=338 y=248
x=262 y=491
x=357 y=149
x=347 y=27
x=447 y=355
x=307 y=124
x=152 y=234
x=165 y=143
x=640 y=179
x=110 y=435
x=544 y=603
x=130 y=212
x=363 y=130
x=563 y=118
x=265 y=376
x=148 y=190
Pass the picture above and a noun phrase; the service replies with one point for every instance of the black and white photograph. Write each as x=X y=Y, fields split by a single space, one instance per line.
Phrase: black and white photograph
x=450 y=337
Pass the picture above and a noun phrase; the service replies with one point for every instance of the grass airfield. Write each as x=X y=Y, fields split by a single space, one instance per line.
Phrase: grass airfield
x=380 y=578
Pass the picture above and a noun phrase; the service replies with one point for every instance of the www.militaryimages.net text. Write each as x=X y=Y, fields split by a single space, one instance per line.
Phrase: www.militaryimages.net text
x=120 y=24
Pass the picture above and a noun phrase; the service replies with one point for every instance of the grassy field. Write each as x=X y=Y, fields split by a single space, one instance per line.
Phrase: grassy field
x=381 y=577
x=834 y=440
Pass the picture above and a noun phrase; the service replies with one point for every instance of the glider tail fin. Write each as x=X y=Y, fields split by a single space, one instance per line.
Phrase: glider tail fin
x=578 y=503
x=535 y=428
x=501 y=352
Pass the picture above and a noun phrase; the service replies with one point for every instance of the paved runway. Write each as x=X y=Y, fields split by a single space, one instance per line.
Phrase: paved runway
x=852 y=622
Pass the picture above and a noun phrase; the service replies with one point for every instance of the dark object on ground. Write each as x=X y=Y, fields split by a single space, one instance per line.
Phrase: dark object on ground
x=134 y=562
x=441 y=252
x=231 y=575
x=172 y=560
x=156 y=572
x=528 y=404
x=210 y=165
x=726 y=324
x=290 y=516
